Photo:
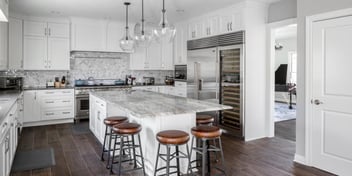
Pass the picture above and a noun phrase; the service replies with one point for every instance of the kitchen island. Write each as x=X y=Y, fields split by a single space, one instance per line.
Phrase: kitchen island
x=154 y=111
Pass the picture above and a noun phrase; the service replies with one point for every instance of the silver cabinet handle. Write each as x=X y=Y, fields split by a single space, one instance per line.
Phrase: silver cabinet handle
x=49 y=102
x=49 y=92
x=50 y=113
x=66 y=112
x=66 y=101
x=316 y=102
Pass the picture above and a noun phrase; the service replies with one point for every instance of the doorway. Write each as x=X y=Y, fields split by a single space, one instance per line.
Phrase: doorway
x=282 y=67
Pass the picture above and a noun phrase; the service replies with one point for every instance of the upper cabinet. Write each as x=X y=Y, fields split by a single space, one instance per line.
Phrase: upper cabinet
x=96 y=35
x=157 y=56
x=180 y=46
x=46 y=45
x=15 y=43
x=4 y=10
x=220 y=22
x=3 y=45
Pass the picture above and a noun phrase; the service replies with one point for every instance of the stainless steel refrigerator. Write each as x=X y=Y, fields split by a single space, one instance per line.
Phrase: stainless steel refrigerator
x=216 y=74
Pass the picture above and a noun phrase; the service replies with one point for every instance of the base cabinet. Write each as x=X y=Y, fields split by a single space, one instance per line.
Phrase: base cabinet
x=98 y=112
x=47 y=105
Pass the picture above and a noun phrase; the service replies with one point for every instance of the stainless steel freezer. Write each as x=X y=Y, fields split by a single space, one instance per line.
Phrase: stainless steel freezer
x=203 y=74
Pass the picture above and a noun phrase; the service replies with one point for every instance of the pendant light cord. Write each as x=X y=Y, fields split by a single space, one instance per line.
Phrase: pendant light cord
x=127 y=3
x=163 y=11
x=142 y=17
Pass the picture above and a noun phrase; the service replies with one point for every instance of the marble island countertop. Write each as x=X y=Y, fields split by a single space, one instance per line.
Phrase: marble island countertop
x=141 y=103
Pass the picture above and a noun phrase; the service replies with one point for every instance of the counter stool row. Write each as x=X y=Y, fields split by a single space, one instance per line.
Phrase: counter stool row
x=123 y=133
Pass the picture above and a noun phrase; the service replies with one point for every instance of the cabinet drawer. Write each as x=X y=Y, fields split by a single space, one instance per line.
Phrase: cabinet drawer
x=50 y=114
x=180 y=84
x=56 y=92
x=62 y=102
x=100 y=103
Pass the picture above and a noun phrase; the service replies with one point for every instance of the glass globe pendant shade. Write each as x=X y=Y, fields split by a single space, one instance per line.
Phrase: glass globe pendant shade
x=165 y=31
x=143 y=35
x=127 y=43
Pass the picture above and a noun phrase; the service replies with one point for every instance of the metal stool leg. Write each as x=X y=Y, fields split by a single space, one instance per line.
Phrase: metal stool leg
x=157 y=159
x=141 y=153
x=121 y=152
x=113 y=156
x=189 y=159
x=102 y=153
x=168 y=160
x=190 y=155
x=177 y=161
x=204 y=158
x=109 y=148
x=222 y=155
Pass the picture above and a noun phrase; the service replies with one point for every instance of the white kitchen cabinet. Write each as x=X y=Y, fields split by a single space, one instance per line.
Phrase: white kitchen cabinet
x=3 y=45
x=96 y=35
x=180 y=89
x=180 y=45
x=31 y=106
x=5 y=155
x=154 y=56
x=98 y=112
x=231 y=22
x=210 y=26
x=115 y=32
x=138 y=59
x=4 y=10
x=195 y=30
x=46 y=46
x=157 y=56
x=15 y=43
x=47 y=105
x=167 y=55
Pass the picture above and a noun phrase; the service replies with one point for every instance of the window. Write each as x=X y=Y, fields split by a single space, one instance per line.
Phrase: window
x=292 y=67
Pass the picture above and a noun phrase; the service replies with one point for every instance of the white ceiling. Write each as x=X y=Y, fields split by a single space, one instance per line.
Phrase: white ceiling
x=115 y=9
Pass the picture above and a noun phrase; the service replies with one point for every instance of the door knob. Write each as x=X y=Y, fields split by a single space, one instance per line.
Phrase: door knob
x=316 y=102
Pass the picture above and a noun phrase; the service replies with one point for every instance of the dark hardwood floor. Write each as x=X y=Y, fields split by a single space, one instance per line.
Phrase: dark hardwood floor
x=79 y=154
x=286 y=129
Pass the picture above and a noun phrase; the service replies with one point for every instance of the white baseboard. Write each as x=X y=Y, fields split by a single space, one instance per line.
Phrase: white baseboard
x=47 y=122
x=300 y=159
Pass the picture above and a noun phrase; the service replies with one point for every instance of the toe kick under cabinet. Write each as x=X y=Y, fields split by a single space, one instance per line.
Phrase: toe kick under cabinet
x=43 y=107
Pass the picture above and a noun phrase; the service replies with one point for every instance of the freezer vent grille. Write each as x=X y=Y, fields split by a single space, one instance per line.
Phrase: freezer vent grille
x=220 y=40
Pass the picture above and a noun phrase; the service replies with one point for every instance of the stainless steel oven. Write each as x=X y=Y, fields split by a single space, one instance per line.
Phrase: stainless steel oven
x=180 y=72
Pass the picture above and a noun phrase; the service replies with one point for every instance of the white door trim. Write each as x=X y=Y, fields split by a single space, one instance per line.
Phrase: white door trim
x=271 y=74
x=308 y=83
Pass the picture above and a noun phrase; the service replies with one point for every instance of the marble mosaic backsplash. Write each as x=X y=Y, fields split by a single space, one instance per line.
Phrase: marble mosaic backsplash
x=93 y=64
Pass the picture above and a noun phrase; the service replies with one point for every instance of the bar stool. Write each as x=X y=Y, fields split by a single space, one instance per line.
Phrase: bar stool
x=171 y=138
x=109 y=122
x=129 y=131
x=205 y=134
x=202 y=119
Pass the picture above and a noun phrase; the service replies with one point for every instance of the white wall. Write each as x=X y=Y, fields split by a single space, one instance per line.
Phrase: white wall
x=282 y=10
x=281 y=56
x=306 y=8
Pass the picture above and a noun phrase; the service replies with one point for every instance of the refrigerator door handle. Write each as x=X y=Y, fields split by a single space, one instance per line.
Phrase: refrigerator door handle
x=200 y=83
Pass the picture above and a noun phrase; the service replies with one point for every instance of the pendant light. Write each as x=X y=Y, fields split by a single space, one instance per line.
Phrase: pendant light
x=127 y=43
x=165 y=30
x=143 y=31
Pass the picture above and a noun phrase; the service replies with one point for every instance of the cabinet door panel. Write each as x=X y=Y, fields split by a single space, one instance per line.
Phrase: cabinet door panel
x=3 y=45
x=15 y=44
x=35 y=53
x=154 y=56
x=88 y=36
x=58 y=30
x=138 y=59
x=114 y=34
x=167 y=55
x=35 y=28
x=31 y=112
x=58 y=54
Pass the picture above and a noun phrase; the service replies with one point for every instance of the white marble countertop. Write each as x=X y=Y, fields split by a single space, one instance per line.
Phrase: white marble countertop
x=7 y=100
x=142 y=104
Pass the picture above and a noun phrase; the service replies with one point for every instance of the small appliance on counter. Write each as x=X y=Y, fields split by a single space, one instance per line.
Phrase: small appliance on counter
x=181 y=72
x=11 y=82
x=148 y=80
x=169 y=80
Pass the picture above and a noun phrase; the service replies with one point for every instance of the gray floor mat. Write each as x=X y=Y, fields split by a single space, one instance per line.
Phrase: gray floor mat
x=33 y=159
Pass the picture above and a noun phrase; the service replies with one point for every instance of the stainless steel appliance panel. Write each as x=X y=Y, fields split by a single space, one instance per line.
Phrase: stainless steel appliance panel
x=202 y=74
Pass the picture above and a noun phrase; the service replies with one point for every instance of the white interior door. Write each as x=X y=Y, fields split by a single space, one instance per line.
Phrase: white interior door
x=332 y=95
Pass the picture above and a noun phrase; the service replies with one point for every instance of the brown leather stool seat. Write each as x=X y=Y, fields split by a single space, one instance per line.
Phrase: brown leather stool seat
x=115 y=120
x=204 y=119
x=175 y=137
x=127 y=128
x=206 y=131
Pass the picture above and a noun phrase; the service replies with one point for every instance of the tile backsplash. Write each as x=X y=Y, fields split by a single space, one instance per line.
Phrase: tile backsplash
x=93 y=64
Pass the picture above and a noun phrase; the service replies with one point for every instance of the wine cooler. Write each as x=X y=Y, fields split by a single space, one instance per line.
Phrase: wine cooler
x=231 y=89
